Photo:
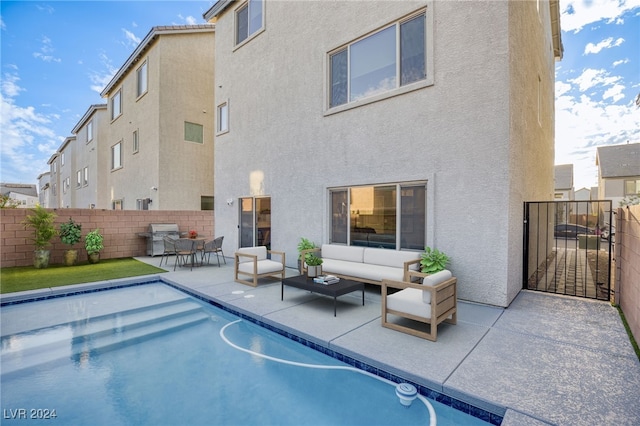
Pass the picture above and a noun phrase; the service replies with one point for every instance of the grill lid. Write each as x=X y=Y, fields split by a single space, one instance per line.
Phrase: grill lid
x=163 y=227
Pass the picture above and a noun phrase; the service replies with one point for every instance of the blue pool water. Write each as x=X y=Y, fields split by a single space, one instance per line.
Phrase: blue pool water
x=150 y=354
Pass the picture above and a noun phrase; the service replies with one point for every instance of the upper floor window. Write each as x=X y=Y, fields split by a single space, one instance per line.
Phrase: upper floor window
x=62 y=158
x=54 y=166
x=193 y=132
x=141 y=76
x=136 y=142
x=89 y=131
x=632 y=187
x=116 y=105
x=223 y=118
x=78 y=178
x=392 y=57
x=116 y=156
x=249 y=19
x=86 y=176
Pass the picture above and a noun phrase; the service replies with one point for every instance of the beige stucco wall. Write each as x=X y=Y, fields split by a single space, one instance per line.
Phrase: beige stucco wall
x=459 y=134
x=180 y=88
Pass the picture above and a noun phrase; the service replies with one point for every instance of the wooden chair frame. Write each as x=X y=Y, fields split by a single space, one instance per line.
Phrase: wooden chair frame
x=255 y=275
x=443 y=306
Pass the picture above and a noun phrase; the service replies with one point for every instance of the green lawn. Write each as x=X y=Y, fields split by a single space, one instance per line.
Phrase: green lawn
x=29 y=278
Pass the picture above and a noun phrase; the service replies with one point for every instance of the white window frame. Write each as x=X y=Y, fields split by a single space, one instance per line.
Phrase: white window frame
x=398 y=90
x=116 y=100
x=222 y=118
x=142 y=79
x=85 y=180
x=136 y=141
x=62 y=158
x=251 y=33
x=78 y=178
x=116 y=163
x=89 y=131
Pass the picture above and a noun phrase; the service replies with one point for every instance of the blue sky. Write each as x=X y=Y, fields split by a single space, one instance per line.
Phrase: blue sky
x=57 y=56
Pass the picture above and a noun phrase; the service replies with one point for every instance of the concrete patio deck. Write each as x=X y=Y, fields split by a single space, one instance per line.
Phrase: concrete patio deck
x=546 y=359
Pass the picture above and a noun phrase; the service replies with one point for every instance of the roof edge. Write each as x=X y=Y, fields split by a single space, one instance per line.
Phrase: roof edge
x=216 y=9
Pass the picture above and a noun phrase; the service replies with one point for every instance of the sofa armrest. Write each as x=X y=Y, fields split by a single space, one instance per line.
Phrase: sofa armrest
x=401 y=285
x=303 y=253
x=409 y=272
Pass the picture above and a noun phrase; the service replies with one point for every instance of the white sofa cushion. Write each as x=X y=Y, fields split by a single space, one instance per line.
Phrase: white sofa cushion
x=432 y=280
x=260 y=251
x=409 y=301
x=393 y=258
x=346 y=253
x=362 y=270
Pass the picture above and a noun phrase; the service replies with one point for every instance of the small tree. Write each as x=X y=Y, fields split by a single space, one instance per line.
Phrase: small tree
x=93 y=242
x=41 y=221
x=7 y=202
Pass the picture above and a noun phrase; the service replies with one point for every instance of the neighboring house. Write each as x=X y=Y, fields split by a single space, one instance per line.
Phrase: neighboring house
x=563 y=182
x=414 y=123
x=54 y=181
x=618 y=172
x=158 y=150
x=24 y=195
x=66 y=167
x=44 y=183
x=90 y=172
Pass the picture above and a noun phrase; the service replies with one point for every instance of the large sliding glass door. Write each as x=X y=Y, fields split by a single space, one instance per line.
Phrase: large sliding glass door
x=255 y=222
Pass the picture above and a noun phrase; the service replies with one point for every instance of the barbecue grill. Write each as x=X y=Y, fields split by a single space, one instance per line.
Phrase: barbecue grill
x=157 y=231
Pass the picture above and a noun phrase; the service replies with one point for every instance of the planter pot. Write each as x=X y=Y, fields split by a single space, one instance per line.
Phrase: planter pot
x=70 y=257
x=94 y=257
x=314 y=271
x=41 y=259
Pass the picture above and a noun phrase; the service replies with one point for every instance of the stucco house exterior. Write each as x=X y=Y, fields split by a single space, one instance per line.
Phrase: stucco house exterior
x=159 y=149
x=407 y=124
x=563 y=182
x=618 y=172
x=24 y=195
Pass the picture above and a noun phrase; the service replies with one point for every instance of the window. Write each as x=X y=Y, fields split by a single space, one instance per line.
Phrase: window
x=62 y=159
x=375 y=216
x=143 y=203
x=386 y=60
x=78 y=178
x=223 y=118
x=631 y=187
x=89 y=131
x=54 y=189
x=116 y=156
x=136 y=142
x=117 y=204
x=206 y=202
x=65 y=185
x=248 y=19
x=86 y=176
x=55 y=167
x=193 y=132
x=116 y=105
x=141 y=77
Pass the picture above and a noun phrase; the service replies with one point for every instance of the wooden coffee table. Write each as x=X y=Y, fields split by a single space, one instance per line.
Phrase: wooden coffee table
x=334 y=290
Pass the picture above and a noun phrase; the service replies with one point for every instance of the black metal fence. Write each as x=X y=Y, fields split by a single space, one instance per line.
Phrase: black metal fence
x=568 y=247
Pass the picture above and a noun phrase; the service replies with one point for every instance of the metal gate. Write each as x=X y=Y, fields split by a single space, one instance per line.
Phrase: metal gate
x=568 y=247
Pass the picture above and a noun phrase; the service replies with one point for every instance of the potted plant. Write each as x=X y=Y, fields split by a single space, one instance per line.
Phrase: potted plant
x=432 y=261
x=314 y=265
x=41 y=222
x=93 y=244
x=193 y=234
x=70 y=233
x=304 y=244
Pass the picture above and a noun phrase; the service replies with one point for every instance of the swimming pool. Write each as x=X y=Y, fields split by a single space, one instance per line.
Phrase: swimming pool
x=151 y=354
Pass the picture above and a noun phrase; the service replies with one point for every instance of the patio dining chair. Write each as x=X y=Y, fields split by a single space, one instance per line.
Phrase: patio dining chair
x=169 y=248
x=213 y=246
x=185 y=252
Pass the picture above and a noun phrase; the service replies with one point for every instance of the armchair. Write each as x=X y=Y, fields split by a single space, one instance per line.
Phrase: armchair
x=252 y=262
x=432 y=302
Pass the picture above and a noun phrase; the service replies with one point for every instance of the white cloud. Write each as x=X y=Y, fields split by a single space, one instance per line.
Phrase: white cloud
x=604 y=44
x=22 y=128
x=615 y=93
x=591 y=78
x=100 y=79
x=576 y=14
x=46 y=51
x=131 y=39
x=620 y=62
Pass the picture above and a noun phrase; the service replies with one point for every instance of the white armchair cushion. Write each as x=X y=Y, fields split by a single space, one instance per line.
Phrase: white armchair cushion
x=434 y=279
x=265 y=266
x=409 y=301
x=260 y=251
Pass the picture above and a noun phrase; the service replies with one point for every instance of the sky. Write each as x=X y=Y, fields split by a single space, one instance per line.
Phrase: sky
x=57 y=56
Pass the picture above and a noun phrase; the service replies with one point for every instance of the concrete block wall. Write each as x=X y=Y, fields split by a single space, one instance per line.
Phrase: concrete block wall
x=627 y=259
x=119 y=228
